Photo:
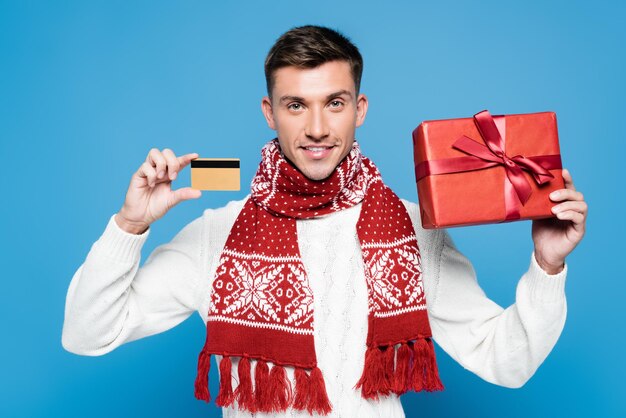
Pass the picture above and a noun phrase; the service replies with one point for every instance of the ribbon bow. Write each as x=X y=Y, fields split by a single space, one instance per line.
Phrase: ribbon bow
x=495 y=153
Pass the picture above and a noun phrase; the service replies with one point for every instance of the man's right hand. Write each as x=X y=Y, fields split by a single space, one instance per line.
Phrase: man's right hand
x=150 y=194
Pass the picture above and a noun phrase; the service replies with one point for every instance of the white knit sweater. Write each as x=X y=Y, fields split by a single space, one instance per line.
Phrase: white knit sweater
x=112 y=301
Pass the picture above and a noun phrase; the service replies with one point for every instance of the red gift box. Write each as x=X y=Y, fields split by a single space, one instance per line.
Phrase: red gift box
x=486 y=169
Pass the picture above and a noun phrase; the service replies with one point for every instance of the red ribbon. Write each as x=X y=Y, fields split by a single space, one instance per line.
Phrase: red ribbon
x=481 y=157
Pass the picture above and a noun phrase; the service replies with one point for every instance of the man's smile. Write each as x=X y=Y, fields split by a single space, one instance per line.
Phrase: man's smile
x=317 y=152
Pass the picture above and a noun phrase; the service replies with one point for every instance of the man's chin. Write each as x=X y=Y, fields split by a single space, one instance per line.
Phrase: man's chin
x=318 y=174
x=313 y=173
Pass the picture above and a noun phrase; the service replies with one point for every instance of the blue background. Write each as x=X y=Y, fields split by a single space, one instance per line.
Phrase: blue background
x=87 y=88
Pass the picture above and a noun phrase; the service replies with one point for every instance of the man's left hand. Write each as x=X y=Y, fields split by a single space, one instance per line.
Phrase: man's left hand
x=555 y=238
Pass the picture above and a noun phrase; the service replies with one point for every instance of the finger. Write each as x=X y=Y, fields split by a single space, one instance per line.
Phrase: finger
x=575 y=205
x=186 y=159
x=566 y=194
x=567 y=179
x=148 y=172
x=185 y=193
x=172 y=163
x=577 y=218
x=158 y=161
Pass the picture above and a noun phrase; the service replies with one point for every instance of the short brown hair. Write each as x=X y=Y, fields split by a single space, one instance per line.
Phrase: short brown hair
x=308 y=47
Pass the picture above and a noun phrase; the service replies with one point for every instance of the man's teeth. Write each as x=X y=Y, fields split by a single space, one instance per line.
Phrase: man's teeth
x=316 y=149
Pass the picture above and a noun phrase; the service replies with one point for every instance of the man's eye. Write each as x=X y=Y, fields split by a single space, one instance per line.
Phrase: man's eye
x=336 y=103
x=294 y=106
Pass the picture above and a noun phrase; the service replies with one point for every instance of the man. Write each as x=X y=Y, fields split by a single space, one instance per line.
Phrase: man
x=320 y=290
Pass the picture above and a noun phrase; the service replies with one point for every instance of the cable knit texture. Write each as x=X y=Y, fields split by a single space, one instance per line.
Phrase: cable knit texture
x=111 y=301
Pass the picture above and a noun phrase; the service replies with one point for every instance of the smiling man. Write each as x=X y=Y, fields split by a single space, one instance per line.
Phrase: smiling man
x=316 y=113
x=321 y=293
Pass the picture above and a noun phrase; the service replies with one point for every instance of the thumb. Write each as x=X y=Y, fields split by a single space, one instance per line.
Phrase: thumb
x=185 y=193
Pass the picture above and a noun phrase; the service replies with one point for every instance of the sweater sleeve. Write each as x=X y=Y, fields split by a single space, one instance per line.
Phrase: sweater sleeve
x=502 y=346
x=111 y=300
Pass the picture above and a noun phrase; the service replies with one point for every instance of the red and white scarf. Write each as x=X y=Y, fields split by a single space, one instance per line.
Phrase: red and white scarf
x=262 y=303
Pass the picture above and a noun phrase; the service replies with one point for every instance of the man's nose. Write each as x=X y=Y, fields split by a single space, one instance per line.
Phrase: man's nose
x=317 y=126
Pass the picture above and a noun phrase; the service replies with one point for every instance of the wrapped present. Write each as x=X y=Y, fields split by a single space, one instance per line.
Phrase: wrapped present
x=486 y=169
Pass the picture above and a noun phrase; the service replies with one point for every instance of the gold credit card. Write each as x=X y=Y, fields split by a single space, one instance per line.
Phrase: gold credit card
x=215 y=174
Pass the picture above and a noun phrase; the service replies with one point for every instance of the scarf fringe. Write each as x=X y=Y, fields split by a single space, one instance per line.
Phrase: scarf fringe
x=401 y=379
x=303 y=382
x=318 y=398
x=411 y=366
x=389 y=359
x=261 y=382
x=374 y=379
x=424 y=374
x=280 y=389
x=225 y=397
x=202 y=378
x=387 y=369
x=272 y=388
x=243 y=393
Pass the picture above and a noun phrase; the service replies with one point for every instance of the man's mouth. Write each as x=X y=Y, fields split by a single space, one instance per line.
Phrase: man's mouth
x=317 y=152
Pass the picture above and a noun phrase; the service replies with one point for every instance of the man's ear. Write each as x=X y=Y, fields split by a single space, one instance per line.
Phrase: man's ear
x=266 y=107
x=361 y=109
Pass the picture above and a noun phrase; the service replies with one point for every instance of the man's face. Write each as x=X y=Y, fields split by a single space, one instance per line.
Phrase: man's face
x=315 y=113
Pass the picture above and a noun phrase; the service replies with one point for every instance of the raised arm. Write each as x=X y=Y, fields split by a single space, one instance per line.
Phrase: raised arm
x=110 y=299
x=502 y=346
